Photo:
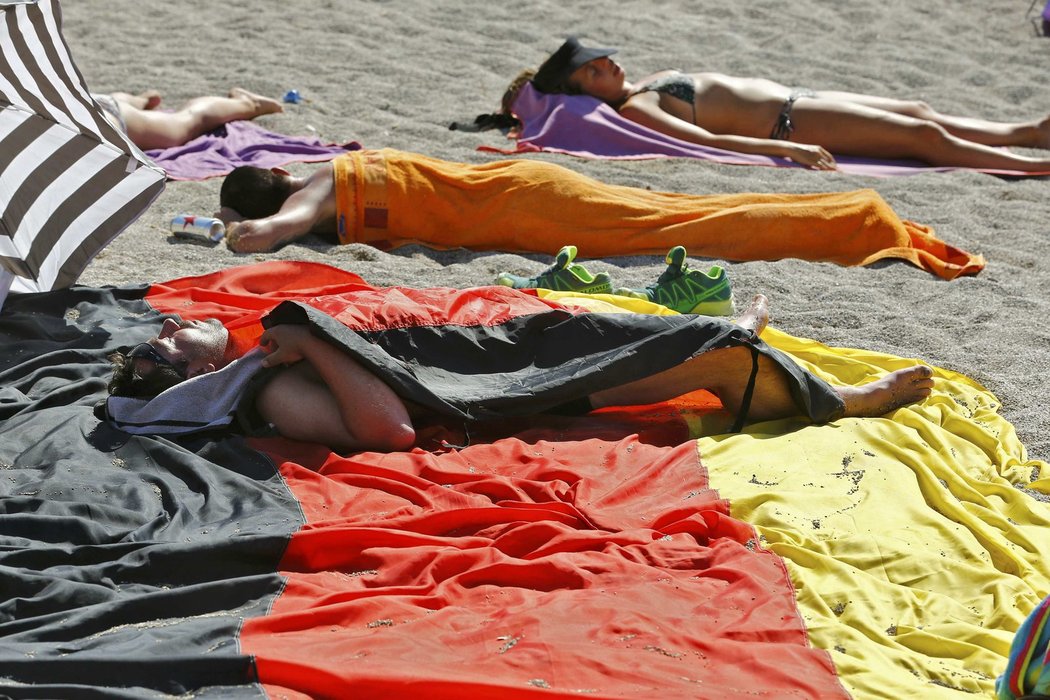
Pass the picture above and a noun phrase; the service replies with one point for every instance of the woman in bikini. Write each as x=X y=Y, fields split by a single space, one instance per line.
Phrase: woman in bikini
x=149 y=127
x=751 y=115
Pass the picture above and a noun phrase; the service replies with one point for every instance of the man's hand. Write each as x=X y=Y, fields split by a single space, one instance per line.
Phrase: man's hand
x=227 y=215
x=285 y=344
x=252 y=236
x=239 y=236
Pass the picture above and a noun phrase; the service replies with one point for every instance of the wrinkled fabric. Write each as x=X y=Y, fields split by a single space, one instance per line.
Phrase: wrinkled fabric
x=591 y=556
x=241 y=142
x=917 y=542
x=389 y=198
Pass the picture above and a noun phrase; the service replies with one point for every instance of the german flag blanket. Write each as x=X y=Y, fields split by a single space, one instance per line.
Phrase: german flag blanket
x=622 y=554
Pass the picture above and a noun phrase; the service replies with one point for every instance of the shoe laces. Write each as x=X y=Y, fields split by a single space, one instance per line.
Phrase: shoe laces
x=671 y=273
x=557 y=266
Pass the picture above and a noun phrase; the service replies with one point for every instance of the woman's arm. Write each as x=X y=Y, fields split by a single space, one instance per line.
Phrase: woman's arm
x=329 y=398
x=649 y=113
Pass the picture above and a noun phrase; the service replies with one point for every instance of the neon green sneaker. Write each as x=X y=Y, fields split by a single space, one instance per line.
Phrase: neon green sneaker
x=563 y=276
x=688 y=291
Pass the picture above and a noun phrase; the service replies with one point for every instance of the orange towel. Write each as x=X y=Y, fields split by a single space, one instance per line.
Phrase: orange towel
x=389 y=198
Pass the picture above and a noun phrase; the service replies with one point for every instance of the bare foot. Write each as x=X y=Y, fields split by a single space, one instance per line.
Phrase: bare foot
x=261 y=104
x=152 y=99
x=888 y=393
x=144 y=100
x=756 y=315
x=1043 y=133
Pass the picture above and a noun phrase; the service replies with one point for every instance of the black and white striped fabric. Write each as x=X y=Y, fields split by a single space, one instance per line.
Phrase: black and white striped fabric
x=69 y=180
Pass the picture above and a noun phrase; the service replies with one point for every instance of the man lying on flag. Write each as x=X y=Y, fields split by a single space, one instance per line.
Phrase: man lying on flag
x=388 y=198
x=330 y=372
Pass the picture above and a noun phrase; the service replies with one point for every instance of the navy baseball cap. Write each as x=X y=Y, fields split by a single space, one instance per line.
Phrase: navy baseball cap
x=550 y=77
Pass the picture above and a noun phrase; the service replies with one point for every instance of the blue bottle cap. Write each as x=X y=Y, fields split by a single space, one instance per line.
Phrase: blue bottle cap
x=292 y=96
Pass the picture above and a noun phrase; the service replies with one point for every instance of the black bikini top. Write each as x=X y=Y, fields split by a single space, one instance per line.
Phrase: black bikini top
x=677 y=85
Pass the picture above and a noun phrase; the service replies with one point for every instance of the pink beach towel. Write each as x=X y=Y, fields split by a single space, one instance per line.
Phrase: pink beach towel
x=242 y=143
x=584 y=126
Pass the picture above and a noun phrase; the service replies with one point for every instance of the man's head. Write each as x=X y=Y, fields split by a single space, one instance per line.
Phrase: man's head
x=255 y=193
x=181 y=350
x=553 y=75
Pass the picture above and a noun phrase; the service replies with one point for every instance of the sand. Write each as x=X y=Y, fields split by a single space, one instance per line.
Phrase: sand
x=395 y=73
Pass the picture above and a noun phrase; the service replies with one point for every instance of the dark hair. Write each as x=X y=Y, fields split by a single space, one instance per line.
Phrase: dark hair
x=127 y=382
x=561 y=86
x=514 y=89
x=505 y=118
x=254 y=193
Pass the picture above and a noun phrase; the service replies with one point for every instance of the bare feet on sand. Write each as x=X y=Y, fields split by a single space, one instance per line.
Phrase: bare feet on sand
x=883 y=395
x=262 y=104
x=756 y=315
x=149 y=99
x=1042 y=133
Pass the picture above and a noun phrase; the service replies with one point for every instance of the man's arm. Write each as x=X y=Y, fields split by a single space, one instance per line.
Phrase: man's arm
x=304 y=211
x=328 y=397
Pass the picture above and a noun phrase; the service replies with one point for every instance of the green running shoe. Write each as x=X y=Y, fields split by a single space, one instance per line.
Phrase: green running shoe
x=688 y=291
x=563 y=276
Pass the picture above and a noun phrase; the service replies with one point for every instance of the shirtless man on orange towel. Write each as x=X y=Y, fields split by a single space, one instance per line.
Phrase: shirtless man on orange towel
x=389 y=198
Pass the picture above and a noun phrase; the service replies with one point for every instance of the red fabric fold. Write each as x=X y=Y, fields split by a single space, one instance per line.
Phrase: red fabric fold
x=602 y=568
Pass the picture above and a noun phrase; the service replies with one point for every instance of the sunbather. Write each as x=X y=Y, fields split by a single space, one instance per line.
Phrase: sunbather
x=149 y=127
x=758 y=116
x=355 y=393
x=388 y=198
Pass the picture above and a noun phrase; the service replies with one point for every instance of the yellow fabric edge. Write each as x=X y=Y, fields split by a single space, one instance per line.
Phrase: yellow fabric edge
x=916 y=542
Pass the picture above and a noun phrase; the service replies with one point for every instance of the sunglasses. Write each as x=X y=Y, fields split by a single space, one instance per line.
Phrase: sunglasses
x=145 y=351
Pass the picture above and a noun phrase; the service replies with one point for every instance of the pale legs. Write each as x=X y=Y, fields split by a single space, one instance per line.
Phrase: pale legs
x=858 y=125
x=1030 y=134
x=151 y=128
x=725 y=373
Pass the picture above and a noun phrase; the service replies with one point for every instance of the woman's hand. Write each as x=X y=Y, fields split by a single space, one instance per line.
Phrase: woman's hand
x=816 y=157
x=285 y=344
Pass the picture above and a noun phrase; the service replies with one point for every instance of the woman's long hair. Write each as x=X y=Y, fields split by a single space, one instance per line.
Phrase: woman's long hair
x=505 y=117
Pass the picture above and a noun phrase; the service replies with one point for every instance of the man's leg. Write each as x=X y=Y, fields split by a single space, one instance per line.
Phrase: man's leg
x=726 y=373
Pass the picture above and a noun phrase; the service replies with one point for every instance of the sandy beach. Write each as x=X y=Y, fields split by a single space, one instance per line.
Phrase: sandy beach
x=395 y=74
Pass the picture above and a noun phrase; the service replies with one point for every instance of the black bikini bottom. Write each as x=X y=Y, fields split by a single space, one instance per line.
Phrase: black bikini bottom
x=783 y=128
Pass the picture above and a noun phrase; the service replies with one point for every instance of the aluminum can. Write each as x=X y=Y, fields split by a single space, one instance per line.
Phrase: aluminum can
x=201 y=228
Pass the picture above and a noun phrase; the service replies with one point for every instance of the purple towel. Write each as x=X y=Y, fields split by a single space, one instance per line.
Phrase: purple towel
x=242 y=143
x=583 y=126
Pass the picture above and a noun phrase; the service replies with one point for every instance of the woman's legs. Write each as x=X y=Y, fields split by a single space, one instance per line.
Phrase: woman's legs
x=726 y=372
x=1033 y=134
x=149 y=128
x=850 y=128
